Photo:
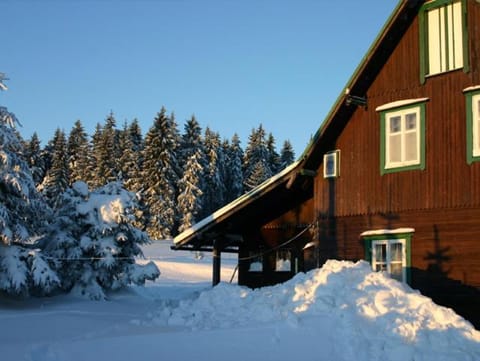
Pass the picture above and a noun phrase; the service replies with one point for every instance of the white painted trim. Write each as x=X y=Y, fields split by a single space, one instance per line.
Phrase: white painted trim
x=379 y=232
x=400 y=103
x=471 y=88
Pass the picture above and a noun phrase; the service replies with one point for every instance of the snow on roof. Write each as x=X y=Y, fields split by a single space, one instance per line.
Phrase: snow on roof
x=238 y=203
x=400 y=103
x=471 y=88
x=377 y=232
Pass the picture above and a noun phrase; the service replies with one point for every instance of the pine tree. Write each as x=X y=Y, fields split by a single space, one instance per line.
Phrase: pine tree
x=189 y=198
x=130 y=162
x=78 y=152
x=160 y=176
x=23 y=213
x=191 y=142
x=33 y=156
x=287 y=155
x=94 y=242
x=105 y=152
x=233 y=169
x=57 y=179
x=255 y=164
x=214 y=186
x=274 y=162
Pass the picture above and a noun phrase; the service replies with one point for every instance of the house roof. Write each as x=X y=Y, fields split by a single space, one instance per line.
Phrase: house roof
x=371 y=64
x=222 y=215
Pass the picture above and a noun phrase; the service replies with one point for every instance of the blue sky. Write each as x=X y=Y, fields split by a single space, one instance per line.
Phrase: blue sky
x=234 y=64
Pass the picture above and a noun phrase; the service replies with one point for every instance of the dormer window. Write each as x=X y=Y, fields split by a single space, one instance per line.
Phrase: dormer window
x=443 y=37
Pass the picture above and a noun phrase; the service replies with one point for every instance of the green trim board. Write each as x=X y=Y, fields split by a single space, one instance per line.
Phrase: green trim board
x=421 y=164
x=423 y=36
x=469 y=95
x=388 y=235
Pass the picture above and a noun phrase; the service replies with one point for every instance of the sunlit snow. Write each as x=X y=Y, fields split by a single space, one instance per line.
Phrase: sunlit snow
x=340 y=312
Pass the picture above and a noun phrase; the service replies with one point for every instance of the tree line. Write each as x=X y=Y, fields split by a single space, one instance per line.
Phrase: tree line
x=74 y=213
x=179 y=177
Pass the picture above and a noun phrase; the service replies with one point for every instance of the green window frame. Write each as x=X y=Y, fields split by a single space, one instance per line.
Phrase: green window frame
x=473 y=124
x=402 y=137
x=390 y=244
x=443 y=37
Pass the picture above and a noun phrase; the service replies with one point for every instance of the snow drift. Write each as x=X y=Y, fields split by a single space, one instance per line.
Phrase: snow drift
x=374 y=316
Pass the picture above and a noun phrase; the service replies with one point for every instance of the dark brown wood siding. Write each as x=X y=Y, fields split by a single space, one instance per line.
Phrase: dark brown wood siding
x=447 y=181
x=441 y=202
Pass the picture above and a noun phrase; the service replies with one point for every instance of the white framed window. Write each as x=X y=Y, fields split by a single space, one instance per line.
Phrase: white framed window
x=331 y=164
x=389 y=255
x=476 y=125
x=402 y=138
x=283 y=262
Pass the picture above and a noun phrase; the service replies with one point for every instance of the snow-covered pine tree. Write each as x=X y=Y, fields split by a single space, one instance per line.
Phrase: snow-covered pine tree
x=105 y=152
x=273 y=156
x=214 y=184
x=287 y=155
x=191 y=142
x=57 y=179
x=78 y=152
x=255 y=162
x=189 y=200
x=233 y=169
x=33 y=156
x=23 y=213
x=160 y=176
x=94 y=242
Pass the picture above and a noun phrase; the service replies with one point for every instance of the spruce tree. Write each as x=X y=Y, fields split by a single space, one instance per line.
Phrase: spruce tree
x=33 y=156
x=233 y=169
x=189 y=198
x=23 y=213
x=274 y=162
x=214 y=186
x=256 y=160
x=287 y=155
x=105 y=153
x=78 y=152
x=94 y=241
x=160 y=176
x=57 y=179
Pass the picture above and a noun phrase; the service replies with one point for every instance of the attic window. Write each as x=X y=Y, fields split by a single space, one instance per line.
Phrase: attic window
x=331 y=164
x=443 y=37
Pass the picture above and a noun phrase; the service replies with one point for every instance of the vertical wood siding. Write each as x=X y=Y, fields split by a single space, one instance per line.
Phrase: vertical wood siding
x=447 y=181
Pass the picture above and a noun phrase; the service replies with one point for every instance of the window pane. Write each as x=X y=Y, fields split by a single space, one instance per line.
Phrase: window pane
x=434 y=41
x=411 y=151
x=283 y=263
x=456 y=36
x=411 y=121
x=395 y=151
x=396 y=252
x=381 y=253
x=396 y=271
x=395 y=124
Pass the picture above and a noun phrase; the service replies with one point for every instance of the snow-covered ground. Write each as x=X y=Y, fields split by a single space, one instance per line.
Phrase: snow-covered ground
x=340 y=312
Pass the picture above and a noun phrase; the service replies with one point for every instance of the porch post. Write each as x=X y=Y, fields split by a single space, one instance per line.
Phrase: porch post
x=216 y=263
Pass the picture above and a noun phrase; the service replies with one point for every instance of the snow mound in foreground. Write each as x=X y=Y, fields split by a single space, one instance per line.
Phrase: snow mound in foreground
x=368 y=308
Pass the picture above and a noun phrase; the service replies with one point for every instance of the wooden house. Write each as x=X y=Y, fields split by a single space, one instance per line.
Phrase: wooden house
x=392 y=176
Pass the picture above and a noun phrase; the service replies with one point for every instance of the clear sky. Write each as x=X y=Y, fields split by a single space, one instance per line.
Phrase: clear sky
x=232 y=63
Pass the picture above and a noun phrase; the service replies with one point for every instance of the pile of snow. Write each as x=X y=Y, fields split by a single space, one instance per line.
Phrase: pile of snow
x=341 y=312
x=375 y=317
